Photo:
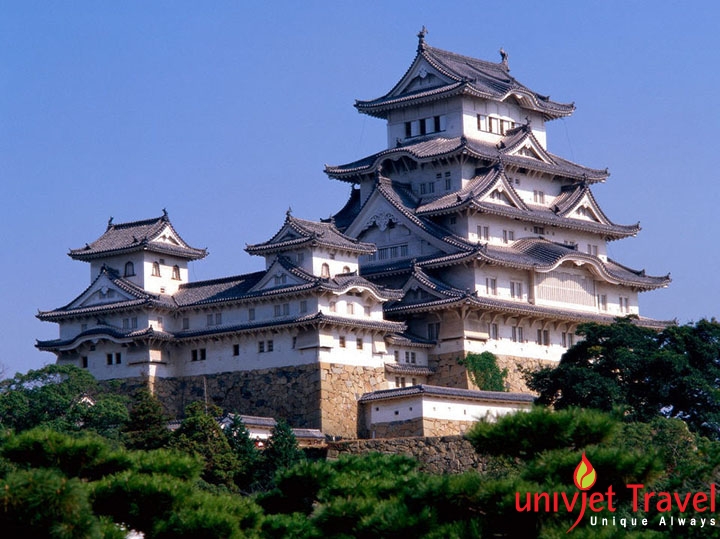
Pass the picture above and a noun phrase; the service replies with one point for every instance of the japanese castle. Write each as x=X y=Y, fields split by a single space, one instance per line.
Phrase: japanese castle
x=464 y=235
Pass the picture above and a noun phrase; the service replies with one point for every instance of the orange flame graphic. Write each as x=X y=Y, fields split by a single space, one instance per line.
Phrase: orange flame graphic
x=585 y=475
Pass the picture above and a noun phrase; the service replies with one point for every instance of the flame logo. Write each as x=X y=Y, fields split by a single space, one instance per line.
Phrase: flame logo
x=585 y=475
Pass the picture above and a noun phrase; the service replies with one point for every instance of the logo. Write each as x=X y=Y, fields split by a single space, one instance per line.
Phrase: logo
x=585 y=477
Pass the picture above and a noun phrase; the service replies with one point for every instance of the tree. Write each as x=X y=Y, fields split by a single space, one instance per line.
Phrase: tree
x=62 y=396
x=282 y=451
x=201 y=435
x=147 y=423
x=672 y=373
x=484 y=371
x=243 y=447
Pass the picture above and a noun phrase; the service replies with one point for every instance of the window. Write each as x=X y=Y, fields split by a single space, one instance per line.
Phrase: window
x=368 y=310
x=568 y=339
x=198 y=354
x=517 y=334
x=294 y=342
x=543 y=337
x=300 y=258
x=407 y=357
x=270 y=345
x=493 y=331
x=624 y=304
x=333 y=306
x=396 y=353
x=155 y=269
x=350 y=308
x=408 y=129
x=303 y=306
x=602 y=302
x=516 y=289
x=84 y=362
x=261 y=347
x=491 y=286
x=280 y=279
x=508 y=236
x=286 y=309
x=359 y=343
x=118 y=358
x=251 y=313
x=413 y=357
x=186 y=323
x=592 y=249
x=433 y=330
x=539 y=197
x=483 y=233
x=130 y=323
x=539 y=230
x=277 y=310
x=341 y=341
x=448 y=181
x=109 y=359
x=236 y=349
x=491 y=124
x=129 y=269
x=210 y=319
x=176 y=272
x=423 y=189
x=325 y=271
x=453 y=220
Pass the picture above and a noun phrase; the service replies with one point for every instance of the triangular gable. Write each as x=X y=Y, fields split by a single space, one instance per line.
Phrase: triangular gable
x=168 y=236
x=529 y=146
x=421 y=76
x=379 y=211
x=420 y=288
x=277 y=276
x=500 y=191
x=581 y=205
x=103 y=291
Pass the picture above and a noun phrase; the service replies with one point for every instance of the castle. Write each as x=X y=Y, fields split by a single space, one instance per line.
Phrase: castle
x=465 y=235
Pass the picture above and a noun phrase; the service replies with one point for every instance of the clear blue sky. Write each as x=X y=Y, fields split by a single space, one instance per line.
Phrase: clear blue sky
x=225 y=113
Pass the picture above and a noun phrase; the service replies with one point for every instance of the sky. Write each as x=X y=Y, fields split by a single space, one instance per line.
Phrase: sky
x=225 y=113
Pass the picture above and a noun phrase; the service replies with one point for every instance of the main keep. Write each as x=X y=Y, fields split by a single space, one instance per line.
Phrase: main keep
x=465 y=235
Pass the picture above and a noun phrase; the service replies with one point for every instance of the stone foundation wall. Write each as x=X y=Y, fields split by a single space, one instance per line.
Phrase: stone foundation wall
x=445 y=454
x=319 y=396
x=341 y=387
x=444 y=427
x=449 y=373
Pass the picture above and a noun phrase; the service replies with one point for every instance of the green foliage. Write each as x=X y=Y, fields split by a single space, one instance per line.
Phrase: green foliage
x=484 y=371
x=673 y=373
x=526 y=434
x=243 y=447
x=200 y=434
x=146 y=427
x=282 y=451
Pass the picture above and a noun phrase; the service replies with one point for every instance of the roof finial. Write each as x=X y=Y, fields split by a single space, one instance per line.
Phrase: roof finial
x=504 y=58
x=421 y=38
x=165 y=214
x=288 y=213
x=110 y=222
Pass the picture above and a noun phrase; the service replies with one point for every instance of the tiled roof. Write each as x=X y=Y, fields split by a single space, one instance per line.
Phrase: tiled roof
x=450 y=392
x=410 y=341
x=137 y=236
x=294 y=321
x=140 y=297
x=464 y=75
x=474 y=192
x=347 y=214
x=437 y=147
x=105 y=331
x=412 y=370
x=299 y=232
x=240 y=287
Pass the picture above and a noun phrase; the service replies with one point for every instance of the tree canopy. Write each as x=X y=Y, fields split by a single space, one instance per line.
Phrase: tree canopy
x=672 y=373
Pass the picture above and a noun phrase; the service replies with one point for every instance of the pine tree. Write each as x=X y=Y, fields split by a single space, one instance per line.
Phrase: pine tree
x=147 y=426
x=243 y=447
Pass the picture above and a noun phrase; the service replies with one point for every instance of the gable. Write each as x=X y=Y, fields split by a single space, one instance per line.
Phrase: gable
x=102 y=292
x=421 y=76
x=380 y=220
x=276 y=277
x=586 y=210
